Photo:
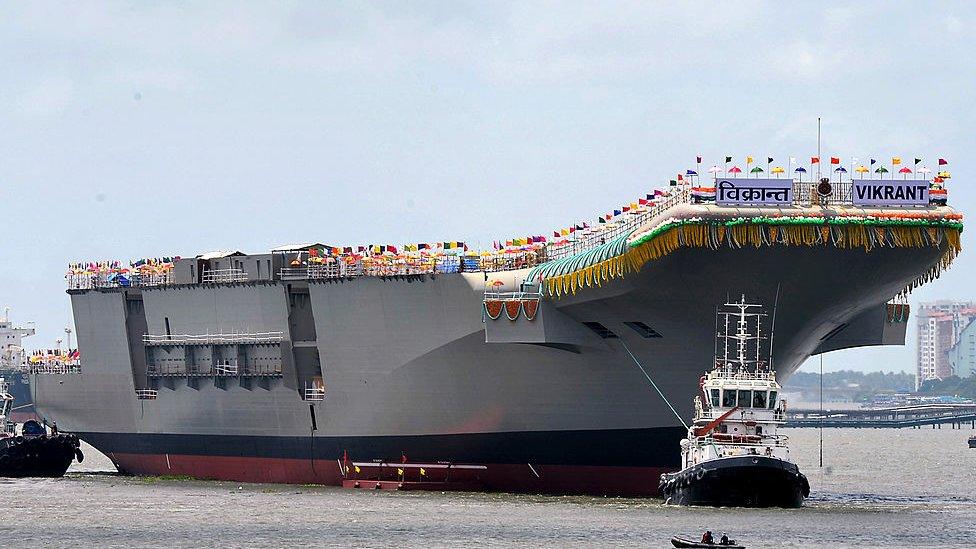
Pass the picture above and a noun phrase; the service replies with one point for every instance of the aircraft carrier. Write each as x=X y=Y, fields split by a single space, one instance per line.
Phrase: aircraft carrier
x=514 y=369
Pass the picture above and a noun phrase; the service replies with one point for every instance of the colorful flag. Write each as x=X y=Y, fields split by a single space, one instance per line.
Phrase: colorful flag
x=400 y=471
x=698 y=160
x=617 y=212
x=601 y=220
x=917 y=160
x=943 y=161
x=769 y=159
x=834 y=160
x=423 y=472
x=748 y=160
x=728 y=159
x=895 y=160
x=357 y=469
x=873 y=161
x=814 y=159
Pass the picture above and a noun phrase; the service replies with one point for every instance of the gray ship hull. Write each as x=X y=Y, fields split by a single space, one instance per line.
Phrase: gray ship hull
x=410 y=379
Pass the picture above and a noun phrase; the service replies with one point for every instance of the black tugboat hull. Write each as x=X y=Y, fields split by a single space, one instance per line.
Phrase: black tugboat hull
x=742 y=481
x=38 y=456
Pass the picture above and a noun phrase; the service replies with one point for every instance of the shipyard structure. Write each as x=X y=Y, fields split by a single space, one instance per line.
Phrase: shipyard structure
x=514 y=369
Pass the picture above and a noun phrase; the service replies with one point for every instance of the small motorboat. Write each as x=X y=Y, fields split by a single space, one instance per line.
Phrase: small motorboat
x=681 y=542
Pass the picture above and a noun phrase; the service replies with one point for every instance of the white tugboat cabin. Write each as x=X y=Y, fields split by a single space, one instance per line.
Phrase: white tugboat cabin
x=740 y=417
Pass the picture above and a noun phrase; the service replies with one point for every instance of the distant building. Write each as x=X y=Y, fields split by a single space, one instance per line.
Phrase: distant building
x=962 y=355
x=940 y=326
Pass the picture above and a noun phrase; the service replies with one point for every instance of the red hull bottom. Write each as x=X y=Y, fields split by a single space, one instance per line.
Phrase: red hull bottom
x=517 y=478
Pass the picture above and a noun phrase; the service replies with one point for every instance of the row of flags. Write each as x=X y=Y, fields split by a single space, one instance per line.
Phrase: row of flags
x=151 y=264
x=940 y=177
x=47 y=355
x=895 y=160
x=563 y=233
x=379 y=249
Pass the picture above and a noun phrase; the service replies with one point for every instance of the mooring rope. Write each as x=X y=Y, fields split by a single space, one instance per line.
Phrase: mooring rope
x=643 y=371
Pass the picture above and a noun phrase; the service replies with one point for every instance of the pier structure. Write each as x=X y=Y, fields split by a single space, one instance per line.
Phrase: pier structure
x=936 y=415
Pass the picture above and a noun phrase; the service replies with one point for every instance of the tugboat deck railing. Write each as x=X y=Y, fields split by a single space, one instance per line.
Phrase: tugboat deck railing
x=778 y=416
x=767 y=440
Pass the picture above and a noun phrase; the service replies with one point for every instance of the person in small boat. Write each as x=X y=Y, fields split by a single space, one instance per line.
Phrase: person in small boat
x=725 y=539
x=707 y=537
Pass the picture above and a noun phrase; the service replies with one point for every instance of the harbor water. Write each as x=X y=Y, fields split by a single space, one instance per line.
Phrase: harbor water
x=878 y=488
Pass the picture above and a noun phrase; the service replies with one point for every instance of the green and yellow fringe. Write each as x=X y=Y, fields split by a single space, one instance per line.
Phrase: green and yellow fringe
x=839 y=232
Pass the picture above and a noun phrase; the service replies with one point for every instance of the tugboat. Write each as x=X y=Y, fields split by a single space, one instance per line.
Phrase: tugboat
x=28 y=450
x=733 y=455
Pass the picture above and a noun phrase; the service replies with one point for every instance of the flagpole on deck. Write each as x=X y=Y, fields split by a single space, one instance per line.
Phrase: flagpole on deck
x=821 y=410
x=819 y=160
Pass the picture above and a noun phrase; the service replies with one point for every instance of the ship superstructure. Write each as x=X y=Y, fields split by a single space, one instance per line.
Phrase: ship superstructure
x=12 y=367
x=507 y=369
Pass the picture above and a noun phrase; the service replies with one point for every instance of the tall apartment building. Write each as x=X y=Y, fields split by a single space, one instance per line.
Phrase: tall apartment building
x=940 y=325
x=962 y=355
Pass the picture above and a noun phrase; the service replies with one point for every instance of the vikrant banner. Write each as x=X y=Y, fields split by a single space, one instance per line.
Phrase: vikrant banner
x=879 y=192
x=766 y=192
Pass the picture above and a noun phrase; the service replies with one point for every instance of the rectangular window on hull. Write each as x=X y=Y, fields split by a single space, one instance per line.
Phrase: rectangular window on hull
x=714 y=397
x=642 y=329
x=600 y=330
x=728 y=398
x=745 y=397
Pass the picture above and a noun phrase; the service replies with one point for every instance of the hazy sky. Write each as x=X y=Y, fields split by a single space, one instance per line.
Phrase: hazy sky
x=150 y=129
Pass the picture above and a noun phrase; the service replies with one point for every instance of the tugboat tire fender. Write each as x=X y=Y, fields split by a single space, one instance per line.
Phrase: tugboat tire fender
x=79 y=455
x=700 y=474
